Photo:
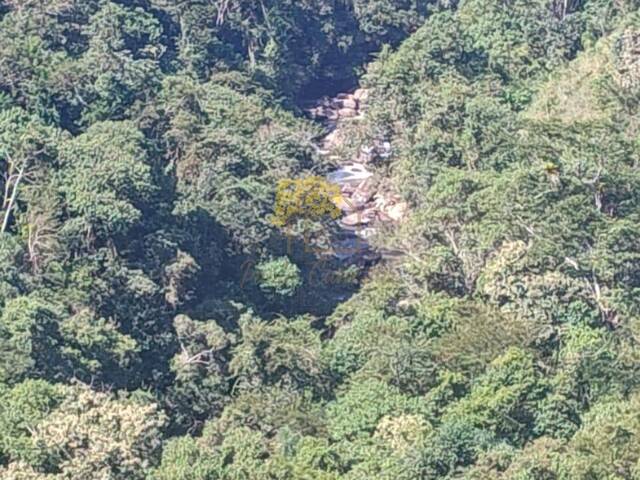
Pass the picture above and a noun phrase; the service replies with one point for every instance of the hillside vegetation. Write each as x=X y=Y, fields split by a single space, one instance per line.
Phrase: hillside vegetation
x=156 y=323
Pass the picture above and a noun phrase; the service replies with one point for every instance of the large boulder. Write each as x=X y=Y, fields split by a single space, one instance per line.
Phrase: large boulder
x=350 y=103
x=347 y=113
x=397 y=211
x=361 y=94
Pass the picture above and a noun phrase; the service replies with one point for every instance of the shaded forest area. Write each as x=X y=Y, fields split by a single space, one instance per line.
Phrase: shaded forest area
x=141 y=145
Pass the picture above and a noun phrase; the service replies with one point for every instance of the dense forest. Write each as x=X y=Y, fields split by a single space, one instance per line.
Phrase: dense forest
x=157 y=323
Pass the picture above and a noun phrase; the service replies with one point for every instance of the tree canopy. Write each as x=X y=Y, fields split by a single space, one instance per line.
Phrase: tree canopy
x=163 y=317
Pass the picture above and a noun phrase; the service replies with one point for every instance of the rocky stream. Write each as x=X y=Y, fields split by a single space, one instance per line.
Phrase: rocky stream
x=364 y=204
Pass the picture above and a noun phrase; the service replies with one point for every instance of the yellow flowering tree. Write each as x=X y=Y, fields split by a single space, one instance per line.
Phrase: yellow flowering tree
x=311 y=198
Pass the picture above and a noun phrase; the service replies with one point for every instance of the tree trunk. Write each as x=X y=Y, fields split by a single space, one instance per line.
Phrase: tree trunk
x=9 y=204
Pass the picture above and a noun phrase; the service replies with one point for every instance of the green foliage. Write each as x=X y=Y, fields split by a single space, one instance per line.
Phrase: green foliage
x=182 y=459
x=378 y=338
x=22 y=408
x=229 y=151
x=288 y=45
x=360 y=408
x=199 y=388
x=77 y=432
x=282 y=352
x=502 y=400
x=388 y=21
x=29 y=333
x=278 y=276
x=607 y=444
x=95 y=344
x=105 y=179
x=78 y=62
x=10 y=267
x=143 y=148
x=119 y=66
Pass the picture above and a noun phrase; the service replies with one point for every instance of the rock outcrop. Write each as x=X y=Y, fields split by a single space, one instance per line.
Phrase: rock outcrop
x=364 y=203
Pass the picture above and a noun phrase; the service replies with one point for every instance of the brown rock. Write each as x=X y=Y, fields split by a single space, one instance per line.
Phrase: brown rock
x=347 y=188
x=347 y=112
x=397 y=211
x=353 y=203
x=383 y=217
x=366 y=154
x=353 y=219
x=362 y=194
x=344 y=204
x=361 y=94
x=380 y=201
x=362 y=217
x=369 y=214
x=349 y=103
x=331 y=114
x=330 y=140
x=315 y=112
x=366 y=232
